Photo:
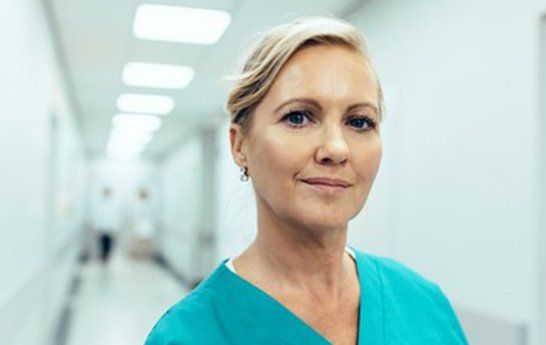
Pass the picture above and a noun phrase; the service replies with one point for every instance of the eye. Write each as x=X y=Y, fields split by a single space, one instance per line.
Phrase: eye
x=296 y=118
x=362 y=123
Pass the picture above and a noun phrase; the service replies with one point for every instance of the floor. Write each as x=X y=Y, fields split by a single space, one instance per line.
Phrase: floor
x=118 y=304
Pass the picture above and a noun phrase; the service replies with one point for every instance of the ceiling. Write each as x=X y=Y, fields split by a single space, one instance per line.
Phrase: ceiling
x=95 y=41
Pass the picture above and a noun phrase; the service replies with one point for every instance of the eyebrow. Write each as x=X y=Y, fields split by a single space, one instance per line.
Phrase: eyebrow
x=316 y=104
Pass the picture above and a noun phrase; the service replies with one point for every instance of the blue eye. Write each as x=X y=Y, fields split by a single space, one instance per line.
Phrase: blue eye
x=362 y=123
x=297 y=117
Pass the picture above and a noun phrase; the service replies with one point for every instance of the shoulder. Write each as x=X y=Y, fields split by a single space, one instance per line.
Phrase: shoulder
x=394 y=274
x=190 y=321
x=411 y=299
x=177 y=326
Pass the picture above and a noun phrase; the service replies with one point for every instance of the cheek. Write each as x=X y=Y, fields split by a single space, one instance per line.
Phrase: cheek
x=276 y=161
x=367 y=163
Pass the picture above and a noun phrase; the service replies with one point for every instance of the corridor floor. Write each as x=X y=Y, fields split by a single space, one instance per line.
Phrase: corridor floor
x=118 y=304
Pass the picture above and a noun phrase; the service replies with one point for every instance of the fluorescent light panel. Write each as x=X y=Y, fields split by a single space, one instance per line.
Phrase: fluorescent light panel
x=130 y=134
x=180 y=24
x=136 y=122
x=129 y=139
x=157 y=75
x=114 y=148
x=148 y=104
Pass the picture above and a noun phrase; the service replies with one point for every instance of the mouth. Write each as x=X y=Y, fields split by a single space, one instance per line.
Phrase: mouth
x=326 y=188
x=326 y=181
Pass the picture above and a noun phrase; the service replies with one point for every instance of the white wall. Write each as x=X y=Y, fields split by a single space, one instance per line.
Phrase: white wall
x=42 y=176
x=236 y=205
x=181 y=184
x=463 y=198
x=541 y=242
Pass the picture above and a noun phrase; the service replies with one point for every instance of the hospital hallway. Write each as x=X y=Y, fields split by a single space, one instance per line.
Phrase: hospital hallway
x=123 y=182
x=121 y=301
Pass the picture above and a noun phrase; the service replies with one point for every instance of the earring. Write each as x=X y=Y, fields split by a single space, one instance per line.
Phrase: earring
x=244 y=174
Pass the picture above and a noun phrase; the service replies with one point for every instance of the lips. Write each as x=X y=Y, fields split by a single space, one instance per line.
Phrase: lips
x=326 y=181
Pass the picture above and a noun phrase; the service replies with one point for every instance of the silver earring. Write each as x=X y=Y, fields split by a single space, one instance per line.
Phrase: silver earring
x=244 y=174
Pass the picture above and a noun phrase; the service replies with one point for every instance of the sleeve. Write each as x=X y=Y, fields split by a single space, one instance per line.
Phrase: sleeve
x=156 y=339
x=166 y=330
x=181 y=325
x=161 y=336
x=454 y=327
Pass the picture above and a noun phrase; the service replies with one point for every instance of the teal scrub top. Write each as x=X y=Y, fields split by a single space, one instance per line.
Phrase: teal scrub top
x=397 y=307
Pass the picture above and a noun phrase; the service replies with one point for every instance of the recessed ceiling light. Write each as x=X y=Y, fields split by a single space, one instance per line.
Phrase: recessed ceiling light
x=125 y=138
x=149 y=104
x=157 y=75
x=117 y=146
x=136 y=122
x=180 y=24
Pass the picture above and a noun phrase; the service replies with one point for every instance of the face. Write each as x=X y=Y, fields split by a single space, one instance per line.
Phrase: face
x=319 y=119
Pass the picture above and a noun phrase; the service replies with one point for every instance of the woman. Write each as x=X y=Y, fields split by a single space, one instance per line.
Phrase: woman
x=305 y=113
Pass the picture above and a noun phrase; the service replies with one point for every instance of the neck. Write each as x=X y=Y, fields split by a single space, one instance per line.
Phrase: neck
x=298 y=257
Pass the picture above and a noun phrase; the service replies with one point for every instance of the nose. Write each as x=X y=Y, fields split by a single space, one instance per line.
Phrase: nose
x=333 y=148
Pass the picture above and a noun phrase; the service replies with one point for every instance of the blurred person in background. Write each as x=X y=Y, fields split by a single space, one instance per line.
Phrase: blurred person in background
x=107 y=223
x=141 y=245
x=305 y=125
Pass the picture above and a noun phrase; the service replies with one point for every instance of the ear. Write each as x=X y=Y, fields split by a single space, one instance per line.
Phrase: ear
x=236 y=140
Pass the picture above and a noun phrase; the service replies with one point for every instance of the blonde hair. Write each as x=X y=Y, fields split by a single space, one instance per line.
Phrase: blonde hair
x=272 y=51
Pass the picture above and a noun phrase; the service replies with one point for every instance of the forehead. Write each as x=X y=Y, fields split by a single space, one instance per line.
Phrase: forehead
x=326 y=73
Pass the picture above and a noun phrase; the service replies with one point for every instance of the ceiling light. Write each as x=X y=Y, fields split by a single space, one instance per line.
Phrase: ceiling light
x=124 y=150
x=119 y=136
x=150 y=104
x=114 y=146
x=180 y=24
x=157 y=75
x=137 y=122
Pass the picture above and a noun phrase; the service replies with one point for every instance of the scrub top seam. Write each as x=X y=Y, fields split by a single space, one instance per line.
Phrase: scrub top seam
x=383 y=310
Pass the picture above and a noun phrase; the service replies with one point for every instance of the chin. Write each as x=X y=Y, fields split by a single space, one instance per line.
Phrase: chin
x=316 y=217
x=326 y=221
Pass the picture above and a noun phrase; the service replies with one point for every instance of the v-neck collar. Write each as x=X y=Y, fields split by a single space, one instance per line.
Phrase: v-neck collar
x=370 y=321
